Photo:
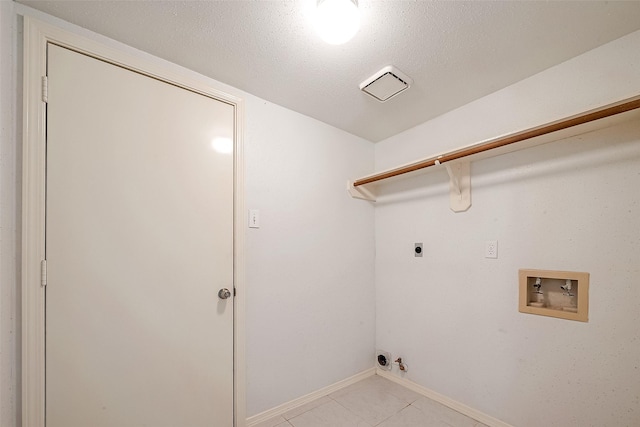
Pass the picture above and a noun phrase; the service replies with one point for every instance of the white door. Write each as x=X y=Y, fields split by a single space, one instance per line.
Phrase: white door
x=139 y=240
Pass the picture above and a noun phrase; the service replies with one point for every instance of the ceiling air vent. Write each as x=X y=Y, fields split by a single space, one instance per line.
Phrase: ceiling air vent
x=386 y=83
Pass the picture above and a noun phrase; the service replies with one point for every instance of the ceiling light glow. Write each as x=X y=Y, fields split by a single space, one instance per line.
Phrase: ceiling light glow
x=337 y=21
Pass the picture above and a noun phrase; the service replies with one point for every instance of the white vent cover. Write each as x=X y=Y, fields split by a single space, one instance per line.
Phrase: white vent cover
x=386 y=83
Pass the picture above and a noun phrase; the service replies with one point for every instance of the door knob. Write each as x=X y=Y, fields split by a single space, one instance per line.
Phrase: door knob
x=224 y=293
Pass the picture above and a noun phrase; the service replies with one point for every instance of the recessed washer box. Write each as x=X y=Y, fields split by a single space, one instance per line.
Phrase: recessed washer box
x=386 y=83
x=563 y=294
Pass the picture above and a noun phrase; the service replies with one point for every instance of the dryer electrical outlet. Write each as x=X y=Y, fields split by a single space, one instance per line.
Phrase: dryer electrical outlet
x=417 y=250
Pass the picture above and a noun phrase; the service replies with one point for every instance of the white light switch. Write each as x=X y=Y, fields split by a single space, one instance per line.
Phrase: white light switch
x=254 y=218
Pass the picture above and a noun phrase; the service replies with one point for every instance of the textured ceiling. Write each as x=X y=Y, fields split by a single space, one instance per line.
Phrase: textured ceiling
x=456 y=52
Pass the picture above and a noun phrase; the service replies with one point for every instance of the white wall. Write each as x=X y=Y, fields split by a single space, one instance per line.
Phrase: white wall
x=310 y=295
x=311 y=301
x=569 y=205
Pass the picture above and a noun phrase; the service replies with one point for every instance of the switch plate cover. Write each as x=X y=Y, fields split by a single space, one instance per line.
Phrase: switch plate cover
x=254 y=218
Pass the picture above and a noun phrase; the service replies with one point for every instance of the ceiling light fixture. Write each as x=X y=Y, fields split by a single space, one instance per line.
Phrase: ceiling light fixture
x=337 y=21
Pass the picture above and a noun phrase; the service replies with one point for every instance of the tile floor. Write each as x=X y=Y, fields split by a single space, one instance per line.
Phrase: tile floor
x=374 y=401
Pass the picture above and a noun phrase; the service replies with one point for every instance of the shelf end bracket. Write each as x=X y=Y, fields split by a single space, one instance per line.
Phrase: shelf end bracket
x=459 y=185
x=360 y=192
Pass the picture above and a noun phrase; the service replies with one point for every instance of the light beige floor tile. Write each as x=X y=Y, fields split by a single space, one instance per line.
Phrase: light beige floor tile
x=306 y=407
x=372 y=404
x=390 y=387
x=350 y=388
x=328 y=415
x=374 y=401
x=413 y=417
x=444 y=413
x=274 y=422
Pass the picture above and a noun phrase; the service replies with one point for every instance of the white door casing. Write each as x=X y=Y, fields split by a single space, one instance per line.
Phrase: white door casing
x=37 y=35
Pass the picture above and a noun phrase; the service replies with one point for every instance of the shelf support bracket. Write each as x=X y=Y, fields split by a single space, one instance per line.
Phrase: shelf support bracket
x=459 y=185
x=454 y=184
x=360 y=192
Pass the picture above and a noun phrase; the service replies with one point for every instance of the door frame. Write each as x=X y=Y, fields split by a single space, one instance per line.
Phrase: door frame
x=37 y=35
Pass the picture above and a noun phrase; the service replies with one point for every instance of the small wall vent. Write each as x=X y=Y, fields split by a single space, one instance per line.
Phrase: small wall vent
x=386 y=83
x=383 y=359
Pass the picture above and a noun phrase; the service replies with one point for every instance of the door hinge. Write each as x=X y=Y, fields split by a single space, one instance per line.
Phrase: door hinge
x=234 y=291
x=43 y=272
x=45 y=89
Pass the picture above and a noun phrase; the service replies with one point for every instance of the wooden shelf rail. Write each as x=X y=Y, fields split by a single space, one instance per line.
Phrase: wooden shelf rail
x=568 y=122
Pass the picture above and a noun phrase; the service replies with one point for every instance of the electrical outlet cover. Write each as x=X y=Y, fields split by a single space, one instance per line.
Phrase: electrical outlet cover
x=417 y=250
x=491 y=249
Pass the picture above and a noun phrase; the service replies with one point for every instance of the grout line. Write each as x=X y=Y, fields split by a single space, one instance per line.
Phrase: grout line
x=394 y=414
x=284 y=415
x=407 y=404
x=364 y=421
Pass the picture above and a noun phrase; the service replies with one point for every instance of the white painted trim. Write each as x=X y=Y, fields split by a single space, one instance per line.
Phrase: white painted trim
x=33 y=204
x=239 y=268
x=447 y=401
x=295 y=403
x=36 y=36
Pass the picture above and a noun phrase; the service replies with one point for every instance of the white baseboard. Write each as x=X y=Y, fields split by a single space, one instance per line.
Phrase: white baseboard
x=447 y=401
x=285 y=407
